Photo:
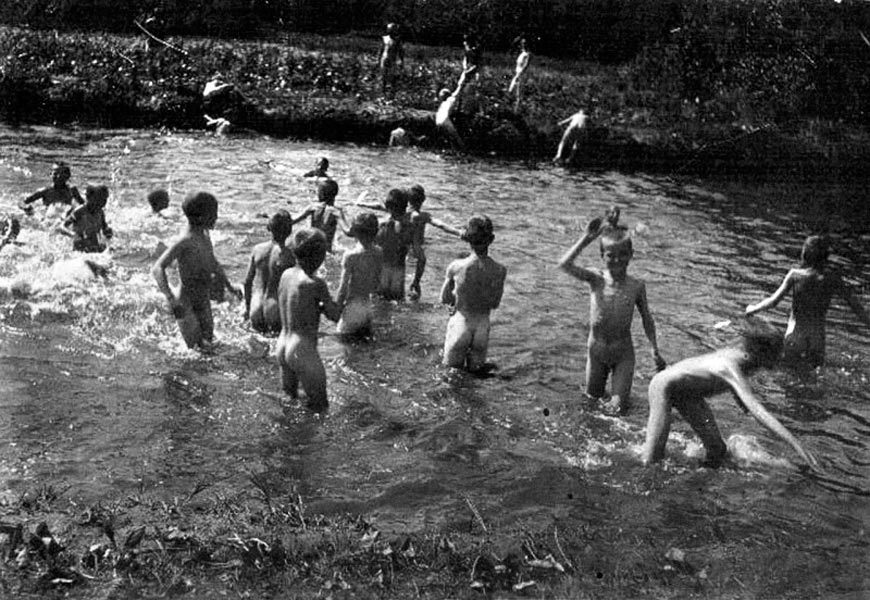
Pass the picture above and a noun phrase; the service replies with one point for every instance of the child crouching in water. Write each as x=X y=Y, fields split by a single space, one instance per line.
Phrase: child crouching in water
x=473 y=287
x=302 y=297
x=360 y=277
x=190 y=303
x=687 y=384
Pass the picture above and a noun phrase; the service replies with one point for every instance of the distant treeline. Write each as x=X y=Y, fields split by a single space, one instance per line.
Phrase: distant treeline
x=724 y=60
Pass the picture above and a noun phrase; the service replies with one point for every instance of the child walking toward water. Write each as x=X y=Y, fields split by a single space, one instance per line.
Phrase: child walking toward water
x=812 y=287
x=269 y=260
x=85 y=223
x=325 y=216
x=360 y=278
x=613 y=297
x=302 y=298
x=687 y=384
x=473 y=287
x=190 y=303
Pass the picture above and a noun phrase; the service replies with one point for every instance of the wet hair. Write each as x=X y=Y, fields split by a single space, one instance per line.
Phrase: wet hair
x=327 y=190
x=416 y=195
x=815 y=251
x=310 y=247
x=280 y=225
x=200 y=208
x=762 y=342
x=478 y=231
x=323 y=162
x=396 y=202
x=364 y=226
x=158 y=199
x=100 y=193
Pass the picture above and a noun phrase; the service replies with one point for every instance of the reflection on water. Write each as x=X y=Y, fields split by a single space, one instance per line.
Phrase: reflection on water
x=99 y=392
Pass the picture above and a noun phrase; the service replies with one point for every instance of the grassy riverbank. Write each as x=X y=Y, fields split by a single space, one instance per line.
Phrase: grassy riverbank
x=326 y=87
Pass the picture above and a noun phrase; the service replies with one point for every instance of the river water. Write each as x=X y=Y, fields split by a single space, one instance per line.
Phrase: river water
x=100 y=396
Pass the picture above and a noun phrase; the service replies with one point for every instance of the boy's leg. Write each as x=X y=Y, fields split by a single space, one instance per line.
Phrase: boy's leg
x=698 y=415
x=312 y=376
x=620 y=383
x=596 y=376
x=658 y=425
x=457 y=339
x=479 y=343
x=289 y=380
x=420 y=267
x=206 y=324
x=189 y=324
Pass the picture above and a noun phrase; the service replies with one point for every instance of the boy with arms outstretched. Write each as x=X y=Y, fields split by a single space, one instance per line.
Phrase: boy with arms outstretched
x=812 y=287
x=85 y=223
x=190 y=303
x=473 y=287
x=302 y=298
x=269 y=260
x=687 y=384
x=418 y=219
x=360 y=277
x=613 y=298
x=325 y=216
x=59 y=192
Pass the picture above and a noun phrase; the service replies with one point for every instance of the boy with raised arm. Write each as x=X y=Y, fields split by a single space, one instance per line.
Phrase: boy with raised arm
x=446 y=106
x=269 y=260
x=614 y=294
x=60 y=192
x=418 y=219
x=85 y=223
x=190 y=303
x=360 y=277
x=473 y=287
x=812 y=287
x=324 y=214
x=687 y=384
x=302 y=298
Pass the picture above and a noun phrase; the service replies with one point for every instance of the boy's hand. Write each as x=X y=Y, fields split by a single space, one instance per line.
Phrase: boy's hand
x=593 y=228
x=661 y=364
x=109 y=233
x=751 y=310
x=27 y=208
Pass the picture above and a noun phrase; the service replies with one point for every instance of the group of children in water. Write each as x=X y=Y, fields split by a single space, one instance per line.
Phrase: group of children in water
x=284 y=295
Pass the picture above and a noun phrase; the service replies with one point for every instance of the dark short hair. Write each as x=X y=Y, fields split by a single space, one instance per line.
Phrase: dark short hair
x=364 y=226
x=815 y=251
x=762 y=342
x=416 y=195
x=281 y=225
x=199 y=206
x=478 y=231
x=100 y=192
x=327 y=190
x=158 y=199
x=397 y=201
x=310 y=245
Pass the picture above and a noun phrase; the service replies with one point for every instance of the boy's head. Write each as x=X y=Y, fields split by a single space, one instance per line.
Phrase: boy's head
x=322 y=163
x=762 y=342
x=392 y=28
x=416 y=196
x=201 y=209
x=158 y=200
x=310 y=247
x=396 y=202
x=60 y=172
x=478 y=232
x=616 y=248
x=280 y=225
x=327 y=190
x=96 y=196
x=364 y=227
x=815 y=251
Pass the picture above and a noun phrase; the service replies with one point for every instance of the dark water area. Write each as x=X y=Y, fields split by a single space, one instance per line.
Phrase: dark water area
x=98 y=394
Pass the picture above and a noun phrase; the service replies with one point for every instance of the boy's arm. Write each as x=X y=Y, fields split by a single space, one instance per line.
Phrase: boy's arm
x=741 y=388
x=447 y=295
x=330 y=308
x=649 y=326
x=225 y=281
x=774 y=298
x=248 y=285
x=854 y=304
x=107 y=231
x=499 y=290
x=344 y=283
x=445 y=227
x=74 y=191
x=159 y=273
x=25 y=204
x=67 y=226
x=303 y=215
x=593 y=229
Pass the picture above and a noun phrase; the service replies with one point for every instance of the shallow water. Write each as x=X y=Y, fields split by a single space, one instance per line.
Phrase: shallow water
x=100 y=395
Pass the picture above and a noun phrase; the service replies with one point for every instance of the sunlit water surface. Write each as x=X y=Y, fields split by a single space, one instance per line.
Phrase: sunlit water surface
x=99 y=394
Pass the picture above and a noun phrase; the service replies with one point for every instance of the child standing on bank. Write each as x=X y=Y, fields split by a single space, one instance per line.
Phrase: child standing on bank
x=302 y=298
x=190 y=303
x=614 y=296
x=473 y=287
x=812 y=286
x=418 y=219
x=269 y=260
x=360 y=278
x=85 y=223
x=325 y=216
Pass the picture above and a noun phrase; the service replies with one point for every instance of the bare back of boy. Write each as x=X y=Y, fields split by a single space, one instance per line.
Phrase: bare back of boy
x=268 y=262
x=812 y=291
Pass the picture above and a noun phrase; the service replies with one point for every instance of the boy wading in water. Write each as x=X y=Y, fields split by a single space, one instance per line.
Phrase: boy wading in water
x=59 y=192
x=197 y=267
x=812 y=287
x=360 y=278
x=687 y=384
x=302 y=297
x=473 y=287
x=613 y=297
x=418 y=219
x=86 y=223
x=324 y=214
x=269 y=260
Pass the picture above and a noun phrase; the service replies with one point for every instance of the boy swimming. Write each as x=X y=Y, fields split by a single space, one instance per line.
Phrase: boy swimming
x=473 y=287
x=687 y=384
x=360 y=277
x=268 y=262
x=812 y=286
x=190 y=303
x=613 y=297
x=302 y=298
x=60 y=192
